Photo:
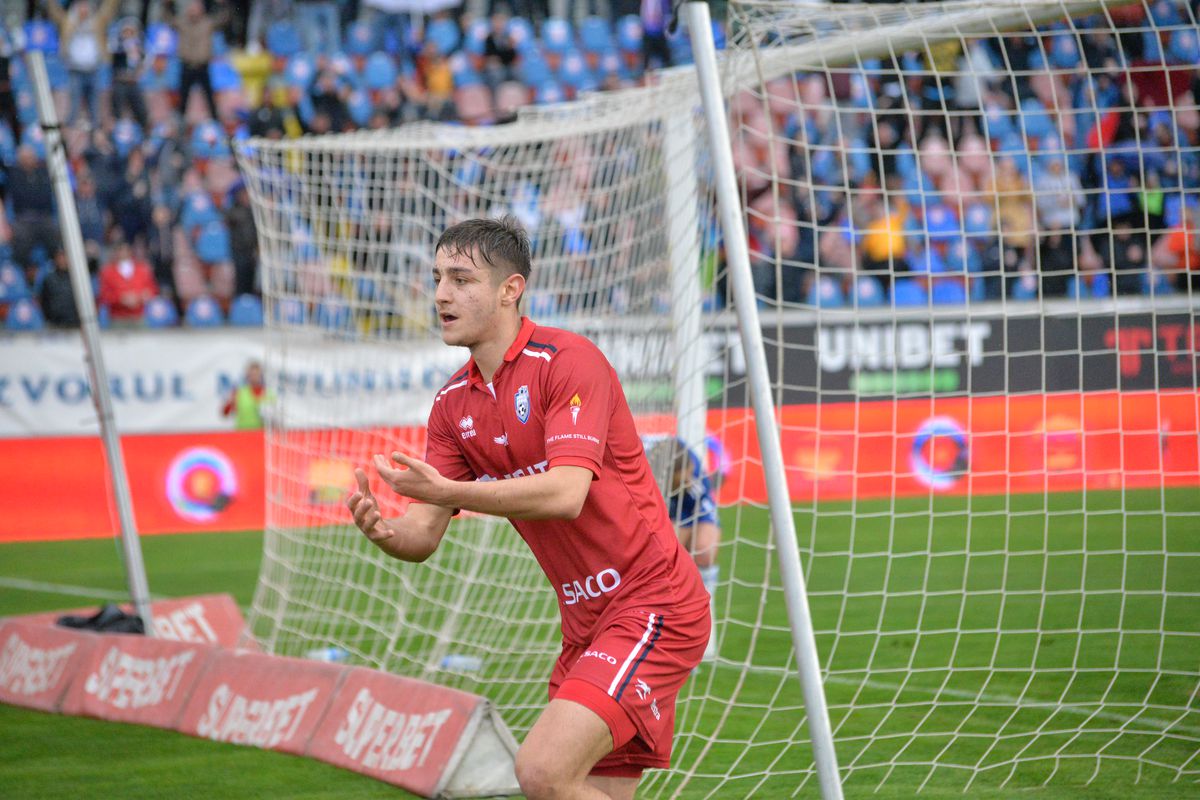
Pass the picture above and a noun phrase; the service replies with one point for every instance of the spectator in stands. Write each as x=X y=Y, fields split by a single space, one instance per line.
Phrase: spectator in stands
x=246 y=401
x=1178 y=250
x=128 y=59
x=31 y=197
x=8 y=103
x=437 y=81
x=83 y=34
x=91 y=215
x=1014 y=202
x=1060 y=198
x=133 y=204
x=1125 y=254
x=884 y=244
x=320 y=25
x=656 y=50
x=329 y=99
x=57 y=295
x=195 y=31
x=267 y=120
x=160 y=250
x=243 y=240
x=499 y=51
x=126 y=283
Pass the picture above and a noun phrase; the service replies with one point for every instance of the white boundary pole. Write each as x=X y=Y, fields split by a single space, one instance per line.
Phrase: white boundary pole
x=782 y=523
x=68 y=221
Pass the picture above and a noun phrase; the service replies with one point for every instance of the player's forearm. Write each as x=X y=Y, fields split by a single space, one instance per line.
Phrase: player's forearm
x=544 y=496
x=408 y=542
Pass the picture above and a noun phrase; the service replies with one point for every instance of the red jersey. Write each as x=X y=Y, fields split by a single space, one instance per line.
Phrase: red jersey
x=555 y=400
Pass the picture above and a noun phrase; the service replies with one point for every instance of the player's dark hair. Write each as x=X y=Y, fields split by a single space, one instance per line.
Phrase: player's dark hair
x=501 y=243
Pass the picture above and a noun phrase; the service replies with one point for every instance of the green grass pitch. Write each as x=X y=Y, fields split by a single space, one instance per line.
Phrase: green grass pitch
x=1035 y=539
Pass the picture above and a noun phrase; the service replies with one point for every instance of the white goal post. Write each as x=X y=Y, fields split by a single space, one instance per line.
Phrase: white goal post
x=968 y=236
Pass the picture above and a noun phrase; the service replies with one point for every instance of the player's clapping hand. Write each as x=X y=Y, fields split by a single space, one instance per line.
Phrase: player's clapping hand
x=412 y=478
x=365 y=508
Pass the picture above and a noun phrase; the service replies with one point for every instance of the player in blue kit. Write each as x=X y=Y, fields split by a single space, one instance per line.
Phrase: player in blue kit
x=688 y=491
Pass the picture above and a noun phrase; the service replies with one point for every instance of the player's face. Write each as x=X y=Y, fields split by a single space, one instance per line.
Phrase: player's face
x=468 y=297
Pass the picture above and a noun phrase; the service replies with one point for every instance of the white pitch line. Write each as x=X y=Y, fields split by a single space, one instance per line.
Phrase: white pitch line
x=1000 y=699
x=65 y=588
x=1163 y=726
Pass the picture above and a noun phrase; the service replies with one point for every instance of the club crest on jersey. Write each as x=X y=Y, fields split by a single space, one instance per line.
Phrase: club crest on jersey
x=576 y=404
x=521 y=403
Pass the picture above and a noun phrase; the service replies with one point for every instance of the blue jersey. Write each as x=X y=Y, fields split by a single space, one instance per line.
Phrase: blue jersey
x=693 y=504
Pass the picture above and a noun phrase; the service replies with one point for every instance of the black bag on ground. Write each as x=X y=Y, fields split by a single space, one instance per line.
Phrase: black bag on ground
x=109 y=619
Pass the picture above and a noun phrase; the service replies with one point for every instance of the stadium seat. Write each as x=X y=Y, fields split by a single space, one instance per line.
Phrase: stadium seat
x=300 y=71
x=203 y=312
x=520 y=30
x=475 y=36
x=291 y=311
x=360 y=107
x=867 y=292
x=283 y=39
x=246 y=311
x=557 y=36
x=41 y=34
x=463 y=71
x=907 y=292
x=12 y=284
x=160 y=313
x=1184 y=47
x=948 y=292
x=1102 y=285
x=380 y=71
x=549 y=93
x=162 y=40
x=223 y=76
x=104 y=317
x=359 y=38
x=574 y=73
x=24 y=315
x=596 y=35
x=333 y=314
x=1024 y=288
x=629 y=33
x=825 y=293
x=445 y=35
x=212 y=243
x=533 y=70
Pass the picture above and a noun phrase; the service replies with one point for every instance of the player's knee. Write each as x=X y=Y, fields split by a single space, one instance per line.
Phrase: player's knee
x=540 y=778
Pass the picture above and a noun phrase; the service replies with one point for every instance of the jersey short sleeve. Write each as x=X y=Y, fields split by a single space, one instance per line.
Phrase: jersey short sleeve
x=579 y=405
x=442 y=450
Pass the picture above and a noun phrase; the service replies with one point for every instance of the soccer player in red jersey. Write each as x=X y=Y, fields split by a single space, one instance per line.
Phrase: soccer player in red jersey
x=535 y=427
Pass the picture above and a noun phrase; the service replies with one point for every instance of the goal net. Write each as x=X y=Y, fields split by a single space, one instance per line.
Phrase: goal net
x=969 y=235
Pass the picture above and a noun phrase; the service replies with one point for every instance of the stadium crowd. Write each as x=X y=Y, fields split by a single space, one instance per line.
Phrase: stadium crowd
x=894 y=197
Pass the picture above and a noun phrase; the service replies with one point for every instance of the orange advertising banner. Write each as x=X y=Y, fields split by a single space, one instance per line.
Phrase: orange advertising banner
x=964 y=445
x=58 y=488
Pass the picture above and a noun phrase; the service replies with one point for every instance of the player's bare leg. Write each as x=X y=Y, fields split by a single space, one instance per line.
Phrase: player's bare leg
x=702 y=542
x=563 y=746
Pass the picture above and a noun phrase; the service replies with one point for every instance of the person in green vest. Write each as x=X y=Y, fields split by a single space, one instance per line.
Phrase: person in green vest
x=246 y=401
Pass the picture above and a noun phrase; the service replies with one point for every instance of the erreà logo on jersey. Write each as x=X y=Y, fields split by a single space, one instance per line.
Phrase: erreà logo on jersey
x=576 y=404
x=521 y=404
x=467 y=424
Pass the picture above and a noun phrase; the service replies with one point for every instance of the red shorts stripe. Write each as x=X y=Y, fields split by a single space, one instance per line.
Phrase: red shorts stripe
x=637 y=664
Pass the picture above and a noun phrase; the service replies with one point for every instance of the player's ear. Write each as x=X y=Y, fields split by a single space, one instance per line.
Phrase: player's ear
x=512 y=289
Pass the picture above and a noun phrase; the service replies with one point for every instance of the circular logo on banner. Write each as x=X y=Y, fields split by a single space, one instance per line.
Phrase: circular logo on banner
x=201 y=482
x=939 y=453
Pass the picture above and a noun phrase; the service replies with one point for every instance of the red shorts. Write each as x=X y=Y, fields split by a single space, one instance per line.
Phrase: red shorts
x=630 y=675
